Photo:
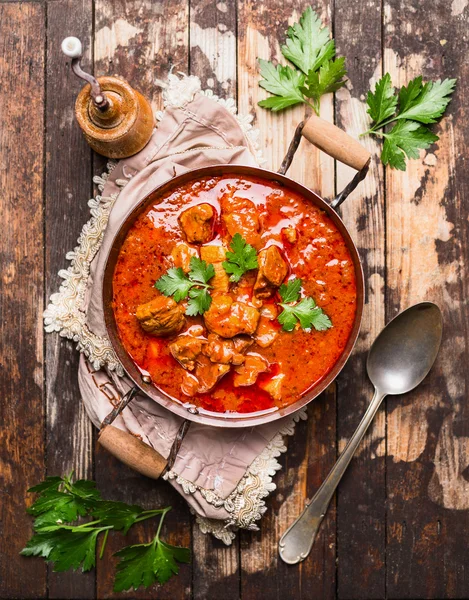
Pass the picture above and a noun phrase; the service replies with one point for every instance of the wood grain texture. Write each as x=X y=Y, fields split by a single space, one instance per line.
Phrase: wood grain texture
x=69 y=432
x=141 y=42
x=427 y=250
x=22 y=35
x=362 y=492
x=260 y=29
x=212 y=37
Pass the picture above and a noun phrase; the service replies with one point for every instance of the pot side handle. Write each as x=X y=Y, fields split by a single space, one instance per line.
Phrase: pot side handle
x=133 y=452
x=336 y=143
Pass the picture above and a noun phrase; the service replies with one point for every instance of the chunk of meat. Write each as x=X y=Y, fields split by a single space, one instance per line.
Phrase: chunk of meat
x=242 y=342
x=220 y=282
x=272 y=271
x=248 y=372
x=269 y=311
x=182 y=254
x=185 y=349
x=208 y=373
x=215 y=255
x=266 y=332
x=196 y=222
x=290 y=234
x=273 y=386
x=190 y=384
x=161 y=316
x=240 y=216
x=228 y=318
x=222 y=351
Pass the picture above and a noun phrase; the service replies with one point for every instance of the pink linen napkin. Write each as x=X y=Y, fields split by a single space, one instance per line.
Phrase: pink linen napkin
x=216 y=470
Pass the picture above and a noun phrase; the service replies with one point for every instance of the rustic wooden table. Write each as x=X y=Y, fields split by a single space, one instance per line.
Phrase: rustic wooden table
x=399 y=526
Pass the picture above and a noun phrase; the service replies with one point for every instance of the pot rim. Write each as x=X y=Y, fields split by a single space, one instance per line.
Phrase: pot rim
x=188 y=410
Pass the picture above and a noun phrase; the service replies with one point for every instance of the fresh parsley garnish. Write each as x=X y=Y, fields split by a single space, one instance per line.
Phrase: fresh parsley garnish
x=417 y=104
x=309 y=47
x=328 y=79
x=306 y=312
x=59 y=539
x=144 y=564
x=195 y=284
x=242 y=258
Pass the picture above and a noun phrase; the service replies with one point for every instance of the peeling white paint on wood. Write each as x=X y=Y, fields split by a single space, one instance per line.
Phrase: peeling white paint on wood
x=108 y=39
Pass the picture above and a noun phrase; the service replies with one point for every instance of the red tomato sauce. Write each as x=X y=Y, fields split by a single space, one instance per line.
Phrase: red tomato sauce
x=319 y=257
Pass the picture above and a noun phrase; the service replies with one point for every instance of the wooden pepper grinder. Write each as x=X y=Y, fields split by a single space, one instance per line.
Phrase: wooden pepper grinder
x=117 y=121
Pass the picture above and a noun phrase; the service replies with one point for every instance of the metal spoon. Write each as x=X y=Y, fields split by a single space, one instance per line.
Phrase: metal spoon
x=399 y=359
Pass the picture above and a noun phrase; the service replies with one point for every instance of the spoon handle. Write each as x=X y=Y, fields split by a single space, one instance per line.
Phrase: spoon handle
x=297 y=541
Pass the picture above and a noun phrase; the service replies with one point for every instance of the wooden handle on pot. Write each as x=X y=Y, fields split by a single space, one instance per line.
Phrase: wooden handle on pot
x=131 y=451
x=335 y=142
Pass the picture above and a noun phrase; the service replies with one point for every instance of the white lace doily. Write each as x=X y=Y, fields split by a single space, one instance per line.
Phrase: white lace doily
x=65 y=315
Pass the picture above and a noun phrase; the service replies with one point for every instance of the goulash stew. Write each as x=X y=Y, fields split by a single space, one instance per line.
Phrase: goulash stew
x=234 y=294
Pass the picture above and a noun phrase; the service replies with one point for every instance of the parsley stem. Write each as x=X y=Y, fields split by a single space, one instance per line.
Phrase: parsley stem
x=373 y=130
x=103 y=545
x=160 y=524
x=314 y=106
x=91 y=523
x=148 y=514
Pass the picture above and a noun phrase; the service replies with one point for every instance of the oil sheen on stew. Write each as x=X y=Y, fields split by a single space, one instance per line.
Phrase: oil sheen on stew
x=208 y=362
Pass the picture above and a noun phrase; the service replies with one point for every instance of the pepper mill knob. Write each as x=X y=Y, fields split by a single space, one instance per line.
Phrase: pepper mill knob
x=117 y=120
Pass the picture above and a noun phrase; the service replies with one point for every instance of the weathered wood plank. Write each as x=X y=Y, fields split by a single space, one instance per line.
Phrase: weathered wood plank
x=261 y=27
x=68 y=188
x=310 y=456
x=362 y=493
x=427 y=246
x=141 y=42
x=213 y=45
x=22 y=34
x=212 y=57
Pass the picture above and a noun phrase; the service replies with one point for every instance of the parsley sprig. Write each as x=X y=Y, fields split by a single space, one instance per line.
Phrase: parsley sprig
x=305 y=311
x=309 y=48
x=59 y=539
x=415 y=107
x=242 y=258
x=195 y=284
x=144 y=564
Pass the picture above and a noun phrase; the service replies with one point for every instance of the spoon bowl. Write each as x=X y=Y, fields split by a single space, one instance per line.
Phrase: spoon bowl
x=405 y=350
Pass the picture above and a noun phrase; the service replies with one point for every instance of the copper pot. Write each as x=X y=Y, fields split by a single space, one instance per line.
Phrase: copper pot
x=126 y=447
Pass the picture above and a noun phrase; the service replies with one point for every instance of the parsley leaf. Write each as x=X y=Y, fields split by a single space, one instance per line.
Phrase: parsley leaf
x=177 y=284
x=200 y=272
x=284 y=82
x=200 y=301
x=242 y=258
x=405 y=139
x=309 y=47
x=144 y=564
x=328 y=79
x=416 y=103
x=429 y=104
x=55 y=505
x=67 y=548
x=50 y=483
x=119 y=515
x=306 y=312
x=290 y=291
x=308 y=44
x=382 y=102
